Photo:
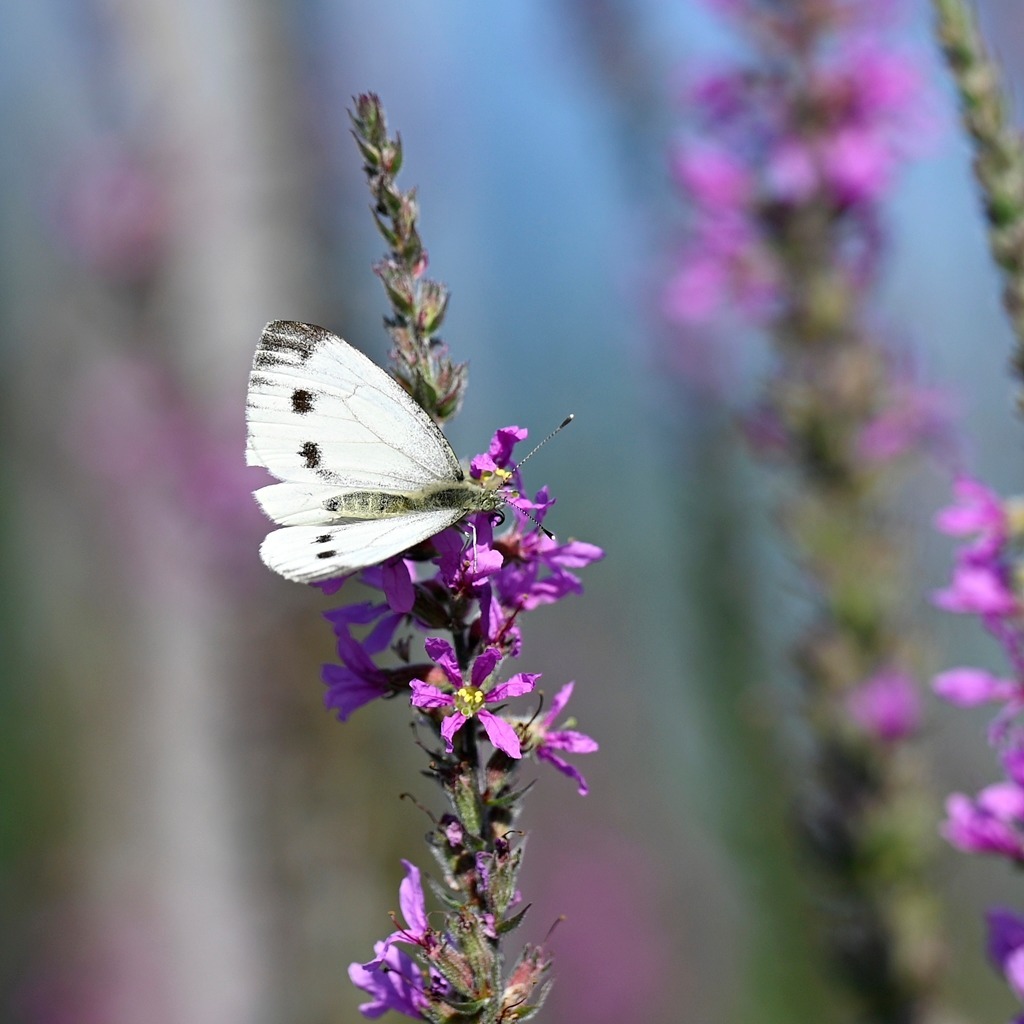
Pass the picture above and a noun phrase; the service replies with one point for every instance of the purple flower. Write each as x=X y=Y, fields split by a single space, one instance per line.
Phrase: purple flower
x=967 y=687
x=875 y=99
x=977 y=589
x=547 y=740
x=725 y=267
x=979 y=512
x=697 y=289
x=467 y=569
x=536 y=568
x=858 y=164
x=713 y=177
x=990 y=823
x=399 y=986
x=500 y=449
x=1006 y=947
x=791 y=173
x=887 y=705
x=469 y=700
x=913 y=419
x=358 y=680
x=417 y=931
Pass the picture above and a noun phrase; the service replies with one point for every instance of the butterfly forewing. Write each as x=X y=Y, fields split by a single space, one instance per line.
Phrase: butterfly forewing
x=320 y=412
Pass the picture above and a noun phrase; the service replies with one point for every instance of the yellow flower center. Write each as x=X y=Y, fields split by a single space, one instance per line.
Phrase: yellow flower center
x=494 y=480
x=469 y=700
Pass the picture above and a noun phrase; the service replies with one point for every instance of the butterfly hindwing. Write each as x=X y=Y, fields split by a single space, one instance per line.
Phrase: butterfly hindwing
x=310 y=554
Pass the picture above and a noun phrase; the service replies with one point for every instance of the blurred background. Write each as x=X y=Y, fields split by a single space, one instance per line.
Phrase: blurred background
x=187 y=836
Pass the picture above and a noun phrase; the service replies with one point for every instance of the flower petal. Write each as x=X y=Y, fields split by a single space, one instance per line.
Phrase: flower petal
x=500 y=733
x=484 y=666
x=516 y=686
x=410 y=899
x=450 y=726
x=398 y=588
x=426 y=696
x=560 y=700
x=443 y=654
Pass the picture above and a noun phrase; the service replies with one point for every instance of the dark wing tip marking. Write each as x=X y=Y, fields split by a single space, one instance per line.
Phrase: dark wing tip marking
x=286 y=338
x=302 y=401
x=310 y=451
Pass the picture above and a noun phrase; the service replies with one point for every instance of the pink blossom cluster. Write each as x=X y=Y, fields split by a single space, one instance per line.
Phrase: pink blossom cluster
x=986 y=583
x=484 y=582
x=824 y=127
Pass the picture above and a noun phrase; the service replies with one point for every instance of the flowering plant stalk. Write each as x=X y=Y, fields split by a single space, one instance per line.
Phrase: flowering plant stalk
x=998 y=154
x=468 y=590
x=783 y=176
x=987 y=574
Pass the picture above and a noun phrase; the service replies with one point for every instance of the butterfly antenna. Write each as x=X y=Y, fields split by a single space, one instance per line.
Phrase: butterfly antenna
x=561 y=426
x=547 y=533
x=529 y=515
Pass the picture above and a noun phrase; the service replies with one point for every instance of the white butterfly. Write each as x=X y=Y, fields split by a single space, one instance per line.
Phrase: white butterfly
x=365 y=472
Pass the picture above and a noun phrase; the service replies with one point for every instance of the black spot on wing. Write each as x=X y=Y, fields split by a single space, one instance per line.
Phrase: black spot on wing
x=310 y=451
x=302 y=401
x=324 y=538
x=326 y=554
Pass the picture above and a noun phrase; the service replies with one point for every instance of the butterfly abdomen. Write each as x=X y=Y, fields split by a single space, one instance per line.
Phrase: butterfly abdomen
x=467 y=496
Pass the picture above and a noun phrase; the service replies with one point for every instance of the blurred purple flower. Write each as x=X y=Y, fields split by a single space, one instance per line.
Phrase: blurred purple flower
x=993 y=822
x=977 y=589
x=164 y=460
x=914 y=419
x=112 y=212
x=888 y=705
x=1006 y=947
x=713 y=177
x=977 y=511
x=967 y=687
